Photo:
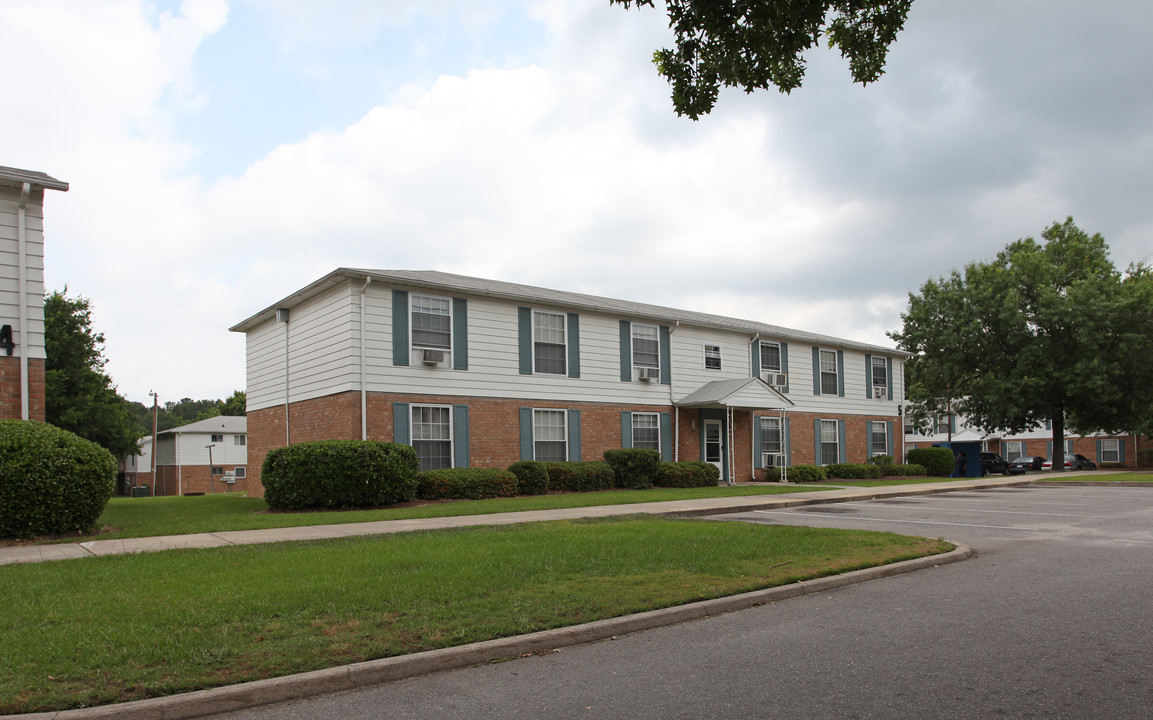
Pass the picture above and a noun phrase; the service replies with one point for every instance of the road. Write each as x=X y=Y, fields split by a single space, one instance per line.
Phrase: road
x=1050 y=620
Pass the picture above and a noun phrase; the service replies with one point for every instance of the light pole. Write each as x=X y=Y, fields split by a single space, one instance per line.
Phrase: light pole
x=155 y=411
x=211 y=477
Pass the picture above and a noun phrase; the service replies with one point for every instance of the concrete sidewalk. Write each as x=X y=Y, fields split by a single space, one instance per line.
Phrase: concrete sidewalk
x=681 y=508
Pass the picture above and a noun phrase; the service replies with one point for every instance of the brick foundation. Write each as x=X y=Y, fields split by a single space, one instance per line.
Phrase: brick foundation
x=10 y=401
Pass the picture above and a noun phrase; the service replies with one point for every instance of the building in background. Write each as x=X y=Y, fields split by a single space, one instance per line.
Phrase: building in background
x=208 y=456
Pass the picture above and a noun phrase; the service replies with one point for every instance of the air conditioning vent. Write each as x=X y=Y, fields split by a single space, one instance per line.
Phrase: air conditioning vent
x=433 y=357
x=879 y=393
x=776 y=379
x=772 y=460
x=648 y=373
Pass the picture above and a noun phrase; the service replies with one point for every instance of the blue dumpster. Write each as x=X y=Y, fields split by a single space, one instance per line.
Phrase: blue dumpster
x=966 y=456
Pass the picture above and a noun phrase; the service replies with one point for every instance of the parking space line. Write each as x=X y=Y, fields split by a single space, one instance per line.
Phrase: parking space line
x=911 y=522
x=1002 y=512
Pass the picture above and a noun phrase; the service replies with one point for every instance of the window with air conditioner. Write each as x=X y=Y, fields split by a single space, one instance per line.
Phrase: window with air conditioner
x=549 y=338
x=431 y=323
x=772 y=445
x=880 y=373
x=770 y=357
x=646 y=351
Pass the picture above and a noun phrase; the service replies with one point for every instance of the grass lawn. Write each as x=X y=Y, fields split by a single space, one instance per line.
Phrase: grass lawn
x=118 y=628
x=144 y=517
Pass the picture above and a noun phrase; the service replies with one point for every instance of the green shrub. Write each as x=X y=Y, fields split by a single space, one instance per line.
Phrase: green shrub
x=580 y=476
x=465 y=484
x=687 y=473
x=882 y=460
x=339 y=473
x=633 y=467
x=531 y=476
x=903 y=470
x=1145 y=457
x=807 y=473
x=937 y=461
x=51 y=481
x=853 y=471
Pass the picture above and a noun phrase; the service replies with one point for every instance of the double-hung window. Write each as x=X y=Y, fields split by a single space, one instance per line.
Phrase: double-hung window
x=880 y=377
x=771 y=357
x=431 y=322
x=646 y=348
x=549 y=350
x=941 y=425
x=878 y=438
x=217 y=438
x=712 y=357
x=771 y=436
x=1014 y=449
x=239 y=440
x=830 y=442
x=431 y=430
x=550 y=435
x=646 y=431
x=828 y=372
x=1110 y=450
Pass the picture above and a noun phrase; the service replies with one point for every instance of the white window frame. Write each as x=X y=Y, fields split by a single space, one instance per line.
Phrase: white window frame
x=884 y=435
x=835 y=442
x=712 y=352
x=656 y=332
x=1115 y=450
x=1018 y=449
x=940 y=421
x=834 y=373
x=414 y=424
x=538 y=413
x=240 y=441
x=240 y=472
x=767 y=431
x=412 y=311
x=766 y=367
x=880 y=363
x=563 y=343
x=655 y=419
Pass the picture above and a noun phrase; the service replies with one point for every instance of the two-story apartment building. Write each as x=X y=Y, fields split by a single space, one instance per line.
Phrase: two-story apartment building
x=22 y=291
x=481 y=373
x=207 y=456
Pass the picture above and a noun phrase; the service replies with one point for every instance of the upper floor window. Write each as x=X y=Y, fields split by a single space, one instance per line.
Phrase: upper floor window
x=880 y=375
x=646 y=346
x=431 y=322
x=217 y=438
x=239 y=439
x=432 y=436
x=771 y=357
x=828 y=372
x=941 y=425
x=712 y=357
x=646 y=431
x=549 y=351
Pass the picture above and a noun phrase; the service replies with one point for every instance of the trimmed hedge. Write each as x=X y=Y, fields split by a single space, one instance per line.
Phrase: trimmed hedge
x=633 y=467
x=688 y=473
x=465 y=484
x=882 y=460
x=807 y=473
x=903 y=470
x=51 y=481
x=937 y=461
x=339 y=473
x=531 y=476
x=853 y=471
x=580 y=476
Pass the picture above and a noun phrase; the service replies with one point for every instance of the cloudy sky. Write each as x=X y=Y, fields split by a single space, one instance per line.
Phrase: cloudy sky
x=224 y=153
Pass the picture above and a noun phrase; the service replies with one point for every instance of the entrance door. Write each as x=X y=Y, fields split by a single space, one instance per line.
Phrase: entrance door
x=714 y=445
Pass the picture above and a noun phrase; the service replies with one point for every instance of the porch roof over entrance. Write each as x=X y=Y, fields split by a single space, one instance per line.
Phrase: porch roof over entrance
x=739 y=394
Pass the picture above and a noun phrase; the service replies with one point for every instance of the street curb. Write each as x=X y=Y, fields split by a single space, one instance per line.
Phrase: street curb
x=375 y=672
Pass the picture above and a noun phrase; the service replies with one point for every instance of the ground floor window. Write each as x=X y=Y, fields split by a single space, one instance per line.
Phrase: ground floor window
x=1014 y=449
x=830 y=439
x=647 y=431
x=217 y=469
x=771 y=436
x=550 y=435
x=240 y=471
x=878 y=438
x=1110 y=450
x=432 y=436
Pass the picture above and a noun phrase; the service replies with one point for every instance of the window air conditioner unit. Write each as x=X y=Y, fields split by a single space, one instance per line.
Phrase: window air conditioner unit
x=772 y=460
x=879 y=393
x=433 y=357
x=648 y=373
x=776 y=379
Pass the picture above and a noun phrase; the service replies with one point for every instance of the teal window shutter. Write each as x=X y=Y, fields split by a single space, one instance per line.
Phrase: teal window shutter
x=889 y=376
x=816 y=371
x=666 y=356
x=524 y=339
x=788 y=444
x=459 y=334
x=840 y=373
x=785 y=364
x=1121 y=449
x=1048 y=449
x=666 y=436
x=755 y=358
x=1048 y=424
x=952 y=424
x=817 y=459
x=574 y=346
x=401 y=424
x=626 y=429
x=399 y=327
x=889 y=440
x=526 y=449
x=843 y=450
x=460 y=436
x=869 y=376
x=756 y=442
x=1098 y=458
x=574 y=435
x=626 y=351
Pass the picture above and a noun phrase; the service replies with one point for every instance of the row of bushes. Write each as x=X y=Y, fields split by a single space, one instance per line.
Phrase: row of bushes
x=850 y=471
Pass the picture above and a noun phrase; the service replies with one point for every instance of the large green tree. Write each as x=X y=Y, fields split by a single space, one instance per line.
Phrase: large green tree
x=752 y=44
x=79 y=396
x=1047 y=331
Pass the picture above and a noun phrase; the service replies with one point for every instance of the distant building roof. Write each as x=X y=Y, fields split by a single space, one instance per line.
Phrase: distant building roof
x=218 y=424
x=16 y=176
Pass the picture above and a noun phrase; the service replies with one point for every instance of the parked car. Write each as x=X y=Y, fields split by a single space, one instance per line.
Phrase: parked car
x=993 y=463
x=1025 y=463
x=1073 y=461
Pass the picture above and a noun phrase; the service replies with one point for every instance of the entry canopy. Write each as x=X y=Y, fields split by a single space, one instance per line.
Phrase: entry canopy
x=739 y=394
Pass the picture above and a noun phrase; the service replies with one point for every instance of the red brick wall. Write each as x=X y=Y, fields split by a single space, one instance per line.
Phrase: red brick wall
x=10 y=402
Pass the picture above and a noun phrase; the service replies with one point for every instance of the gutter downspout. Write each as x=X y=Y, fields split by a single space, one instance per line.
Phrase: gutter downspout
x=676 y=408
x=753 y=421
x=22 y=262
x=363 y=363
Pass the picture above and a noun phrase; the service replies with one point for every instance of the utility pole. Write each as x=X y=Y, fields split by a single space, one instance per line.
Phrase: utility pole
x=155 y=411
x=211 y=477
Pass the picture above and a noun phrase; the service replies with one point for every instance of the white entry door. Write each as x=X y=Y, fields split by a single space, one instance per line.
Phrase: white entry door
x=714 y=445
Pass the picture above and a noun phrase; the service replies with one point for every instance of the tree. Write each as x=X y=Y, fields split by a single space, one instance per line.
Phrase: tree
x=1047 y=331
x=79 y=396
x=753 y=44
x=236 y=405
x=186 y=410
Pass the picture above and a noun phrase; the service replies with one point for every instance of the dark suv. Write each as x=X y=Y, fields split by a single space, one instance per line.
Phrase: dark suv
x=993 y=463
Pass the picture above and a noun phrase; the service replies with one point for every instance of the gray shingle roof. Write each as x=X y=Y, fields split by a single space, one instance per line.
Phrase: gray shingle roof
x=220 y=424
x=16 y=176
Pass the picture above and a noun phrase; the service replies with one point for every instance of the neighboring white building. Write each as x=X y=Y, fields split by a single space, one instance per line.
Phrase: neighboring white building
x=208 y=456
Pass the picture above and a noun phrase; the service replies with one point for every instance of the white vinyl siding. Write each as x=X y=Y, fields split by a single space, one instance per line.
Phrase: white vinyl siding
x=431 y=430
x=550 y=435
x=646 y=431
x=549 y=336
x=32 y=296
